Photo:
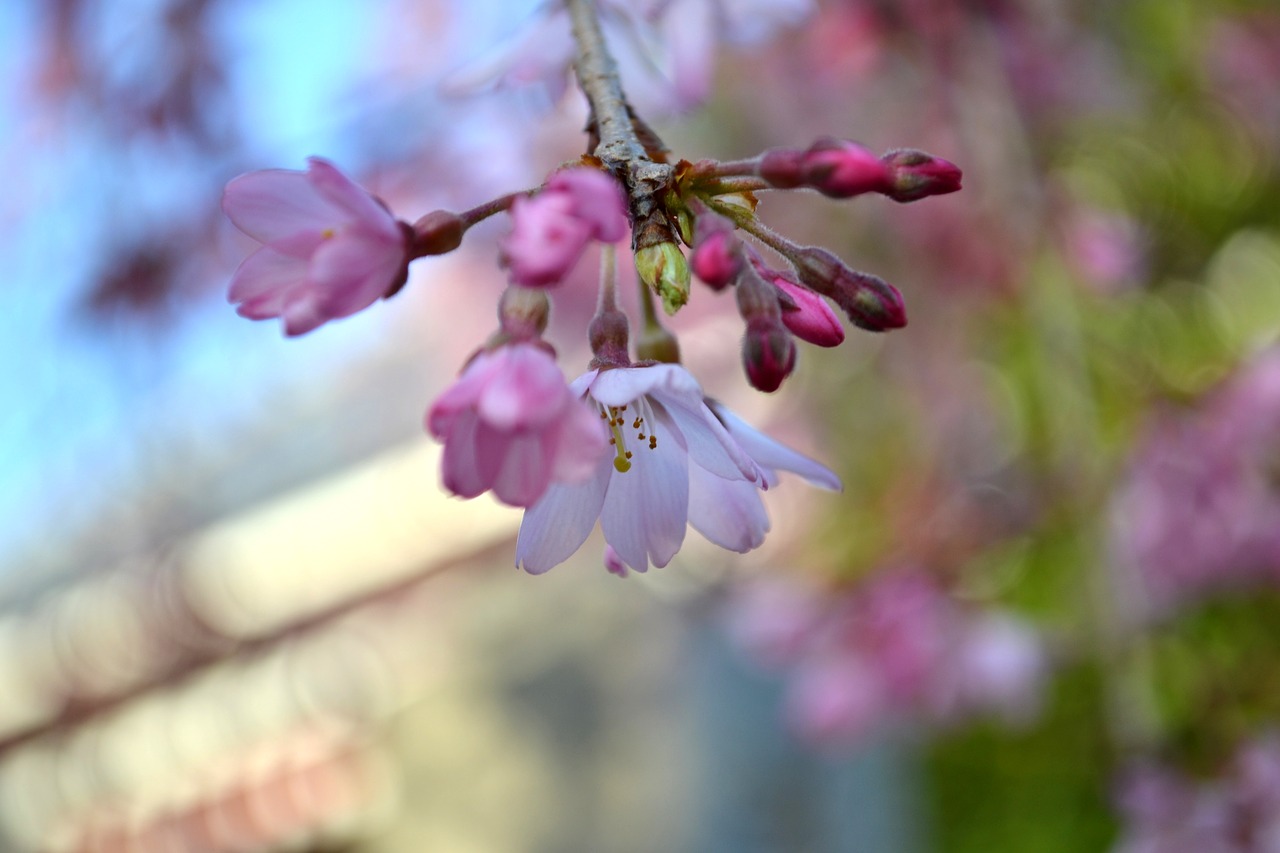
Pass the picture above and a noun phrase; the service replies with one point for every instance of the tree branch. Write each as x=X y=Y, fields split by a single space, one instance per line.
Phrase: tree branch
x=620 y=148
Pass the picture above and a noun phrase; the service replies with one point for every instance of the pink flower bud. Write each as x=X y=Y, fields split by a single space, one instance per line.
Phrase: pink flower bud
x=914 y=174
x=868 y=300
x=717 y=254
x=768 y=354
x=842 y=169
x=807 y=316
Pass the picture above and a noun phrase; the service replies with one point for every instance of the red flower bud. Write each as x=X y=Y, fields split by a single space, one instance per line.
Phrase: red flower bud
x=868 y=300
x=782 y=168
x=914 y=174
x=807 y=316
x=842 y=169
x=768 y=353
x=717 y=254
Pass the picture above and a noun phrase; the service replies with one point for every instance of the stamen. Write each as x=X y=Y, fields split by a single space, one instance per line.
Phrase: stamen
x=622 y=455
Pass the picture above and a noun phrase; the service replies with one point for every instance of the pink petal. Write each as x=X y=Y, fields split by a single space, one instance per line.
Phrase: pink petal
x=560 y=522
x=546 y=240
x=350 y=274
x=729 y=513
x=302 y=313
x=274 y=204
x=597 y=200
x=461 y=395
x=527 y=391
x=264 y=279
x=646 y=509
x=470 y=458
x=353 y=199
x=524 y=471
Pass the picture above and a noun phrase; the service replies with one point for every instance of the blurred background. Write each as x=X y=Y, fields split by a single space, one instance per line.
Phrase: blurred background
x=237 y=612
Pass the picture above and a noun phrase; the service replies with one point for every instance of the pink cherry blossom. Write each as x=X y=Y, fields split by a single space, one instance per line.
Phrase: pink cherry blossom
x=551 y=229
x=511 y=424
x=329 y=248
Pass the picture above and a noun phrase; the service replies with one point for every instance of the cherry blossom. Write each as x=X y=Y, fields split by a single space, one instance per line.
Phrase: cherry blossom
x=661 y=431
x=329 y=248
x=551 y=229
x=511 y=424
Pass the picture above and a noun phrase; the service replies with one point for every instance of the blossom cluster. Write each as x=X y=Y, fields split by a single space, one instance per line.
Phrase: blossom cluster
x=896 y=648
x=1199 y=511
x=1164 y=811
x=634 y=442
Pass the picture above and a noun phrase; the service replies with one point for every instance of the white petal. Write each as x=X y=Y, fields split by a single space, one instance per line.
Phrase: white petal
x=772 y=454
x=622 y=385
x=646 y=509
x=729 y=513
x=557 y=525
x=710 y=444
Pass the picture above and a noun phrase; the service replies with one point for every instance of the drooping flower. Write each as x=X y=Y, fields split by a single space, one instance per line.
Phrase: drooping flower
x=679 y=459
x=661 y=430
x=511 y=424
x=329 y=248
x=551 y=229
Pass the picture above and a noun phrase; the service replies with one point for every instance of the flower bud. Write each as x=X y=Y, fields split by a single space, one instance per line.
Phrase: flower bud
x=523 y=312
x=437 y=233
x=782 y=168
x=717 y=254
x=663 y=269
x=608 y=336
x=768 y=353
x=868 y=300
x=914 y=174
x=842 y=169
x=807 y=316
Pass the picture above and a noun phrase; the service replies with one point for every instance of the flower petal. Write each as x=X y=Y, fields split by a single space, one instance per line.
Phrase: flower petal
x=470 y=457
x=621 y=385
x=646 y=509
x=527 y=391
x=579 y=442
x=771 y=454
x=710 y=444
x=729 y=513
x=273 y=204
x=350 y=274
x=354 y=200
x=263 y=282
x=558 y=524
x=524 y=471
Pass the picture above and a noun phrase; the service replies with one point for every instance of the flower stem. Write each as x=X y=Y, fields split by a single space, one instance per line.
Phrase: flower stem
x=747 y=221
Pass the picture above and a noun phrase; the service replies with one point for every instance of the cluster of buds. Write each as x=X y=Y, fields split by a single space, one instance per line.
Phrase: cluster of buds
x=779 y=305
x=634 y=444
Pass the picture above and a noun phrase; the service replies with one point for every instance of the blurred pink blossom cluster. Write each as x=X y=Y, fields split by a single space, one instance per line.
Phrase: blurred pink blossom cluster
x=895 y=648
x=1164 y=811
x=1200 y=509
